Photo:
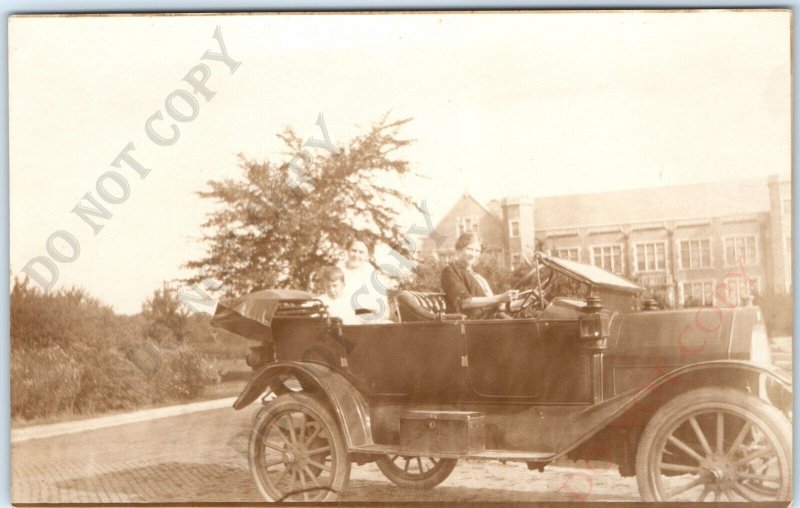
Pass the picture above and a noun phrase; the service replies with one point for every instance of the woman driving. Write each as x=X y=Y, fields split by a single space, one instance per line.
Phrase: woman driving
x=467 y=292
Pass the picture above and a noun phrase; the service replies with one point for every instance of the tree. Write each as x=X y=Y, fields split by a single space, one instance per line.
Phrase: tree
x=283 y=221
x=164 y=304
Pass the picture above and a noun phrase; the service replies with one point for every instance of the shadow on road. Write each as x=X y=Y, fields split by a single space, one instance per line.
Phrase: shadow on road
x=168 y=482
x=192 y=482
x=384 y=491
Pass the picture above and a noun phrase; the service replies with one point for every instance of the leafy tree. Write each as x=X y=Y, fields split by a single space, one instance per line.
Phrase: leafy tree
x=425 y=276
x=164 y=304
x=282 y=221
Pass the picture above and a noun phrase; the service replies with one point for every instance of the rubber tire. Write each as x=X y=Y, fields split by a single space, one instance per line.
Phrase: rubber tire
x=710 y=398
x=429 y=480
x=308 y=404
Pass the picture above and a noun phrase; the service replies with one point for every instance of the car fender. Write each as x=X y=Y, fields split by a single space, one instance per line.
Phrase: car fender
x=741 y=365
x=349 y=405
x=585 y=424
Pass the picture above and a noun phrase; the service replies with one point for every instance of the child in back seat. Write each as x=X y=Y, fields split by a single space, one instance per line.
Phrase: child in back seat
x=331 y=280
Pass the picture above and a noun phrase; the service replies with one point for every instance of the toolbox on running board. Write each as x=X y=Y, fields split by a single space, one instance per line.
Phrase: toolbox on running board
x=445 y=432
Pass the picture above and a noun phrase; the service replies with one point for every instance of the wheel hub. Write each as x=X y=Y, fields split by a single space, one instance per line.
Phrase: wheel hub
x=295 y=455
x=717 y=474
x=720 y=474
x=719 y=470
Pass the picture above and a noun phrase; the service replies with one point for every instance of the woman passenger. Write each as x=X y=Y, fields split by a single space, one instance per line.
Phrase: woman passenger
x=366 y=295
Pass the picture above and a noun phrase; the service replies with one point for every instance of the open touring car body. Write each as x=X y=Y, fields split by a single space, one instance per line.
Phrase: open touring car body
x=583 y=378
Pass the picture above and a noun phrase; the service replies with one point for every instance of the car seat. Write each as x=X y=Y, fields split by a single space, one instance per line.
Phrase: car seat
x=422 y=306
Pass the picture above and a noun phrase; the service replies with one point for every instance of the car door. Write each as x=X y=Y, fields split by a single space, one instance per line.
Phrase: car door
x=526 y=359
x=377 y=359
x=436 y=361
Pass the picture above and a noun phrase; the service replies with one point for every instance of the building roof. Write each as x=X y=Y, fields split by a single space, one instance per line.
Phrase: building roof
x=652 y=205
x=468 y=197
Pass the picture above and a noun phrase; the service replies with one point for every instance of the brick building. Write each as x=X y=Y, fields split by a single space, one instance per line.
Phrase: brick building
x=680 y=240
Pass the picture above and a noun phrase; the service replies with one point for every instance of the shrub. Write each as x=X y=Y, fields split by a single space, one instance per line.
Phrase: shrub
x=63 y=318
x=108 y=381
x=44 y=382
x=426 y=276
x=184 y=374
x=68 y=353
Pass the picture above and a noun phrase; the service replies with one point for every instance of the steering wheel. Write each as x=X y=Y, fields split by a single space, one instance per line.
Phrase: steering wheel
x=531 y=293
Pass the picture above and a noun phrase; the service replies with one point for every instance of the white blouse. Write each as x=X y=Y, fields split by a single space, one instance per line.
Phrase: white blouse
x=340 y=308
x=370 y=296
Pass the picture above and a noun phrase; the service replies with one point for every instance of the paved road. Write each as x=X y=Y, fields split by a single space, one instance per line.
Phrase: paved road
x=199 y=457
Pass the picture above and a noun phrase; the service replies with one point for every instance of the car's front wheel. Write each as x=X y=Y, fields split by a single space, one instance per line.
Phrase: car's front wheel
x=297 y=452
x=715 y=444
x=413 y=472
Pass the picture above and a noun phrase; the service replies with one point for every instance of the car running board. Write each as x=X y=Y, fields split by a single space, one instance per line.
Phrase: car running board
x=503 y=455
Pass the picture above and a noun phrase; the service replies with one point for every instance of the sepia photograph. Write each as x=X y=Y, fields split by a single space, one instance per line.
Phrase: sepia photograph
x=413 y=256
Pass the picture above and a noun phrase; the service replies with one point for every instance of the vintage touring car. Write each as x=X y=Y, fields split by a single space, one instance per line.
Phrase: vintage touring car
x=685 y=399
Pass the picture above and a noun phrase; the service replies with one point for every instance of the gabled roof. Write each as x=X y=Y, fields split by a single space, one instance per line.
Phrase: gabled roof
x=492 y=235
x=460 y=200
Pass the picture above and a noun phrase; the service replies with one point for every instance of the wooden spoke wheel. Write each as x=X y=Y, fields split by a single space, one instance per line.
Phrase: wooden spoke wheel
x=415 y=472
x=297 y=452
x=715 y=444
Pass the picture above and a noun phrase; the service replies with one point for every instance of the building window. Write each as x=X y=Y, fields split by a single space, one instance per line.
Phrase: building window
x=740 y=249
x=513 y=229
x=651 y=257
x=608 y=257
x=696 y=254
x=737 y=291
x=787 y=207
x=467 y=225
x=570 y=254
x=698 y=294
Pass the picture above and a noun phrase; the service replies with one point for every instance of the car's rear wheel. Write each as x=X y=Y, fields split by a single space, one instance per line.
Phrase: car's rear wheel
x=715 y=444
x=414 y=472
x=297 y=452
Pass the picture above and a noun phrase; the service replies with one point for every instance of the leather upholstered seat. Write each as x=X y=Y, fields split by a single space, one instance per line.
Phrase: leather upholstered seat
x=421 y=306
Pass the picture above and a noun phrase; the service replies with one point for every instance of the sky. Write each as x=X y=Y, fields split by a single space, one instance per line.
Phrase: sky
x=503 y=104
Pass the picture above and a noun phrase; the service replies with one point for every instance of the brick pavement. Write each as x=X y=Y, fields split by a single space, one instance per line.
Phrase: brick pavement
x=199 y=457
x=180 y=458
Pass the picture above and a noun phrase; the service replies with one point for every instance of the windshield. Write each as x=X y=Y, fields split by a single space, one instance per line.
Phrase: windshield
x=592 y=275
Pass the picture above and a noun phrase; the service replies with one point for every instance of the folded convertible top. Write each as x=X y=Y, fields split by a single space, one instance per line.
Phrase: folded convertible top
x=251 y=315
